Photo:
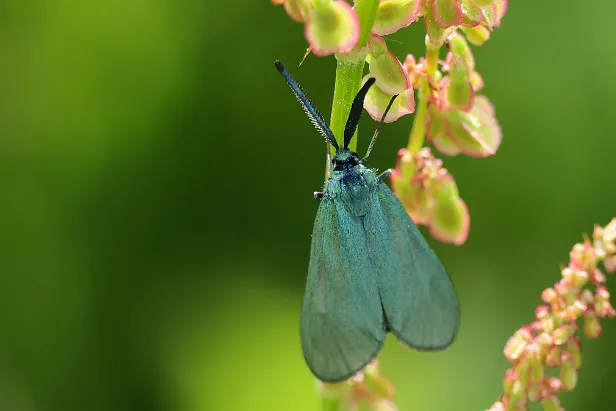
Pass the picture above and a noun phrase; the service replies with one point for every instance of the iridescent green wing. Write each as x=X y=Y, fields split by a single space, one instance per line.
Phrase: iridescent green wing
x=418 y=298
x=342 y=327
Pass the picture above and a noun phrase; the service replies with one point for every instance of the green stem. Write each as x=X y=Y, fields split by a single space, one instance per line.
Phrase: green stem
x=350 y=69
x=348 y=79
x=418 y=132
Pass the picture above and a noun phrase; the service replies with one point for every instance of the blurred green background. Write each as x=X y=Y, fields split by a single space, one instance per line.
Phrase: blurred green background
x=156 y=210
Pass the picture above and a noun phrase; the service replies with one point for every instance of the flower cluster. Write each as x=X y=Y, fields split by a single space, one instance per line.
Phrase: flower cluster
x=551 y=340
x=369 y=388
x=333 y=26
x=432 y=197
x=451 y=114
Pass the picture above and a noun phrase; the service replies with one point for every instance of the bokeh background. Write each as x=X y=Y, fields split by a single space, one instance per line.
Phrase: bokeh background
x=156 y=179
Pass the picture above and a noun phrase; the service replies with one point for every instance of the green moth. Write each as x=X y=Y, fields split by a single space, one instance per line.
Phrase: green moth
x=370 y=271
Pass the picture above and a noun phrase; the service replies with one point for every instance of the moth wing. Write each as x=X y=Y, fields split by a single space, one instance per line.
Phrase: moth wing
x=342 y=326
x=418 y=297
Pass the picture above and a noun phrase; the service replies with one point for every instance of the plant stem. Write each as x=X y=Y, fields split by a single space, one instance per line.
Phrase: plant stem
x=418 y=132
x=348 y=79
x=349 y=71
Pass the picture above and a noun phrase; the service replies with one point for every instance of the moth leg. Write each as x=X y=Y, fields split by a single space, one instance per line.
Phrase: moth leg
x=385 y=175
x=318 y=195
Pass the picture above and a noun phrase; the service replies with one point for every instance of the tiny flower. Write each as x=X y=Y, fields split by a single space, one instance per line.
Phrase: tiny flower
x=298 y=10
x=548 y=295
x=376 y=46
x=332 y=27
x=568 y=377
x=574 y=346
x=456 y=89
x=390 y=75
x=561 y=334
x=469 y=13
x=396 y=14
x=436 y=33
x=450 y=219
x=475 y=133
x=554 y=357
x=447 y=13
x=536 y=369
x=459 y=47
x=592 y=327
x=391 y=78
x=583 y=255
x=510 y=378
x=377 y=384
x=430 y=196
x=376 y=102
x=476 y=35
x=517 y=344
x=551 y=403
x=610 y=264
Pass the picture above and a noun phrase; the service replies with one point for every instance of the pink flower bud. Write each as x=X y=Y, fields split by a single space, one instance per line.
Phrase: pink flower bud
x=554 y=386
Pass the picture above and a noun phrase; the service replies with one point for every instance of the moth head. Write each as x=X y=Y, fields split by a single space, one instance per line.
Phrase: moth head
x=345 y=159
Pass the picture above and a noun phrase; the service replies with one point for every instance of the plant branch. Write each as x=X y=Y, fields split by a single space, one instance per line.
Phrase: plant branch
x=418 y=132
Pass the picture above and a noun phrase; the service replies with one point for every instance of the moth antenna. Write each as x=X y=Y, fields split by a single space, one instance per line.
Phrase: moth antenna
x=355 y=113
x=311 y=110
x=378 y=128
